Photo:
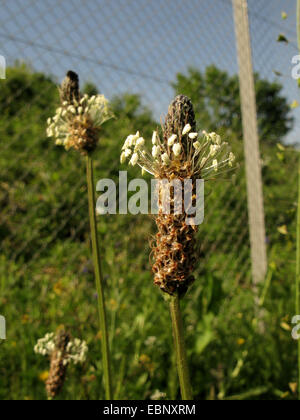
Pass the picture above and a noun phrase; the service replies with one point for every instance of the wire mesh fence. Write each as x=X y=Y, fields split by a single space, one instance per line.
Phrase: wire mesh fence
x=126 y=47
x=140 y=54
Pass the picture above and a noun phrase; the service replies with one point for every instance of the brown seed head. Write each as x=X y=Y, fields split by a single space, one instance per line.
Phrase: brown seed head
x=180 y=113
x=69 y=90
x=58 y=368
x=173 y=250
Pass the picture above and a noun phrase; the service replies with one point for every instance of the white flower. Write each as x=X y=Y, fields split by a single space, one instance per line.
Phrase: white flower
x=197 y=145
x=206 y=155
x=61 y=128
x=72 y=109
x=154 y=137
x=127 y=142
x=171 y=140
x=139 y=143
x=231 y=158
x=134 y=138
x=215 y=165
x=213 y=149
x=157 y=395
x=134 y=159
x=165 y=158
x=75 y=351
x=215 y=138
x=50 y=132
x=176 y=149
x=156 y=151
x=203 y=161
x=123 y=157
x=187 y=128
x=131 y=140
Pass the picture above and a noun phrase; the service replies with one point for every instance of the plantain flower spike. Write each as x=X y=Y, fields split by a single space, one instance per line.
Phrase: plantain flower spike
x=77 y=122
x=62 y=351
x=69 y=90
x=181 y=154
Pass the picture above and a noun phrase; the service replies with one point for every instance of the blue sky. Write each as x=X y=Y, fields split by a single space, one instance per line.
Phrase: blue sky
x=139 y=45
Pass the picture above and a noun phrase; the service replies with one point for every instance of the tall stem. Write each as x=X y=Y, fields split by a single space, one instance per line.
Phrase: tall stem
x=181 y=358
x=298 y=225
x=99 y=279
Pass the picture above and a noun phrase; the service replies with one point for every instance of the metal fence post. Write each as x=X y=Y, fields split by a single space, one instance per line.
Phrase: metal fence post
x=251 y=142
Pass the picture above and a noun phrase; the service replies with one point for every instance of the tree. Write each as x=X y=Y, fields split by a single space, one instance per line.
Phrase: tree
x=215 y=95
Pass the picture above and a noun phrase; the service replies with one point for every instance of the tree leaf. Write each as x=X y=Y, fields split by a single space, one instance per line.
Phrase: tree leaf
x=282 y=38
x=280 y=147
x=283 y=230
x=294 y=104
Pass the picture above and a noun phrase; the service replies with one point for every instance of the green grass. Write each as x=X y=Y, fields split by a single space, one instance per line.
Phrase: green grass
x=46 y=276
x=221 y=330
x=228 y=353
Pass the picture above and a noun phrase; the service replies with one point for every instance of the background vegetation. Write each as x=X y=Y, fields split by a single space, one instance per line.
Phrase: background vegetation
x=237 y=349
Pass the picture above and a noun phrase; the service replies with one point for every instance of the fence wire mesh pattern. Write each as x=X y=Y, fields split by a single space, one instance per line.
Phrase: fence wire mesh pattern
x=87 y=37
x=140 y=54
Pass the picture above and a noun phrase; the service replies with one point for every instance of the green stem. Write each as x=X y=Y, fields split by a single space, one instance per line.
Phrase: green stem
x=98 y=278
x=181 y=358
x=298 y=225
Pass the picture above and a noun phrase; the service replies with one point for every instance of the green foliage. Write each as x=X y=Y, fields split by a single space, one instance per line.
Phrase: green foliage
x=46 y=273
x=282 y=38
x=215 y=95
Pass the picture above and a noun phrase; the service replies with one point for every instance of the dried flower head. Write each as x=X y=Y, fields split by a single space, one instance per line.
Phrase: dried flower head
x=78 y=121
x=62 y=351
x=69 y=90
x=183 y=153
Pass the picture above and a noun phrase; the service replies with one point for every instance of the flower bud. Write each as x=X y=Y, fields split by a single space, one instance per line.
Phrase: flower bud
x=171 y=139
x=177 y=149
x=186 y=129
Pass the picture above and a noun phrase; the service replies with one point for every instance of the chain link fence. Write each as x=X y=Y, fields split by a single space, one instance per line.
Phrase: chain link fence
x=121 y=47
